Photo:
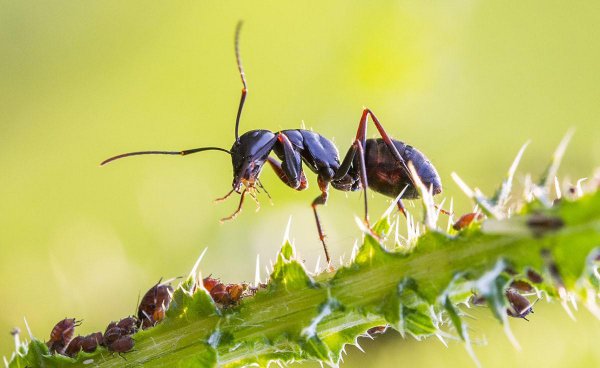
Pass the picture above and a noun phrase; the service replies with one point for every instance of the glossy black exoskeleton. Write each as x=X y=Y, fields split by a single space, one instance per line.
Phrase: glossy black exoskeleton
x=380 y=164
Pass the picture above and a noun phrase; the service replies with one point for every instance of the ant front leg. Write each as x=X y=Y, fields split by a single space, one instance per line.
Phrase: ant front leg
x=276 y=166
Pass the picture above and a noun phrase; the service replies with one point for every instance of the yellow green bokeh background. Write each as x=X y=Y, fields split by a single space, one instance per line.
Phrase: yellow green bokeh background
x=468 y=82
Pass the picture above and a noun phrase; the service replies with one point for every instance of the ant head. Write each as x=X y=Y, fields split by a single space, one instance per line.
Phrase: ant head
x=248 y=155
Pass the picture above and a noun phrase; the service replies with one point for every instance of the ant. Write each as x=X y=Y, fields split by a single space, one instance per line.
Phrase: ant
x=380 y=164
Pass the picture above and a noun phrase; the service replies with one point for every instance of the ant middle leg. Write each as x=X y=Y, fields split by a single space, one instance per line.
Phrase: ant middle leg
x=347 y=164
x=321 y=200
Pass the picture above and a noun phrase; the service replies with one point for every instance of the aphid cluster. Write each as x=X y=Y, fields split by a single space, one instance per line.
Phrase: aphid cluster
x=117 y=337
x=225 y=294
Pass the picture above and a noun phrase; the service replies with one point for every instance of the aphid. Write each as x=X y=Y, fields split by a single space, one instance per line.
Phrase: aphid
x=74 y=346
x=220 y=295
x=128 y=325
x=521 y=285
x=154 y=304
x=519 y=306
x=111 y=334
x=91 y=342
x=122 y=345
x=380 y=164
x=62 y=334
x=377 y=330
x=235 y=291
x=466 y=220
x=541 y=224
x=209 y=283
x=534 y=277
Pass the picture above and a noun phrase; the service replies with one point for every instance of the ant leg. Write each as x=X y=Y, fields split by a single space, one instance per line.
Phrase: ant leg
x=239 y=209
x=276 y=166
x=220 y=199
x=347 y=164
x=361 y=135
x=321 y=200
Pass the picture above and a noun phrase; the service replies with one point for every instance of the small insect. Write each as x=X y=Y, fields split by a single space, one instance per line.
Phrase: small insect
x=541 y=224
x=519 y=306
x=128 y=325
x=377 y=330
x=121 y=345
x=534 y=277
x=154 y=305
x=92 y=341
x=380 y=164
x=87 y=343
x=522 y=285
x=220 y=295
x=209 y=283
x=62 y=334
x=74 y=346
x=466 y=220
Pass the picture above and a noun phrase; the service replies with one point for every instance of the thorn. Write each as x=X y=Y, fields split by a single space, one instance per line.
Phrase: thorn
x=286 y=234
x=426 y=198
x=510 y=336
x=318 y=265
x=579 y=188
x=557 y=188
x=451 y=217
x=354 y=251
x=506 y=187
x=358 y=346
x=552 y=169
x=565 y=306
x=194 y=270
x=28 y=329
x=441 y=338
x=477 y=196
x=257 y=272
x=5 y=361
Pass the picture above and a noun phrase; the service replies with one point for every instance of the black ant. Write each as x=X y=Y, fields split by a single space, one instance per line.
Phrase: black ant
x=380 y=164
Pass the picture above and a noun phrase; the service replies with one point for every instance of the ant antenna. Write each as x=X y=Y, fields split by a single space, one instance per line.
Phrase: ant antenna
x=179 y=153
x=238 y=58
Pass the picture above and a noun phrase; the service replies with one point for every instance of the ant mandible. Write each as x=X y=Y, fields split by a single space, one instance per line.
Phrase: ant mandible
x=379 y=164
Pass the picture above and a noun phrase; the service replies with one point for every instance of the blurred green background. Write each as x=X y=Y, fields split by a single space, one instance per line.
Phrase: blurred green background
x=468 y=82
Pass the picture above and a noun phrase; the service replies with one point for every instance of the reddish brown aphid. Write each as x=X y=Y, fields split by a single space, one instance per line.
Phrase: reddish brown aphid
x=220 y=295
x=90 y=342
x=519 y=306
x=111 y=334
x=541 y=224
x=522 y=285
x=235 y=291
x=154 y=304
x=62 y=334
x=209 y=283
x=377 y=330
x=74 y=346
x=128 y=325
x=122 y=345
x=534 y=277
x=466 y=220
